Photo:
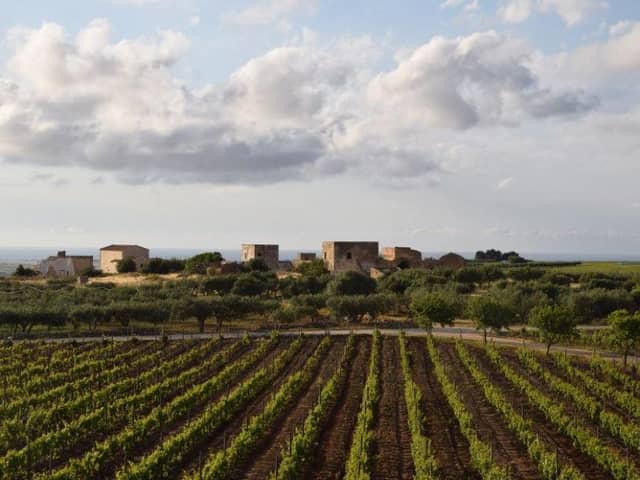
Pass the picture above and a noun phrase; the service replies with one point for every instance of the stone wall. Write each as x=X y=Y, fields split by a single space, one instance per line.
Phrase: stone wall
x=270 y=254
x=345 y=256
x=110 y=256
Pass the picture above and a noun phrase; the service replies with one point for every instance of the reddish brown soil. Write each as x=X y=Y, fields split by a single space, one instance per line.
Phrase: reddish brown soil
x=335 y=441
x=561 y=444
x=489 y=424
x=440 y=425
x=263 y=460
x=392 y=438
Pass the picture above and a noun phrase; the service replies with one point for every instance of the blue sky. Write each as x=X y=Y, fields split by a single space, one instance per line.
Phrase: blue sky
x=445 y=125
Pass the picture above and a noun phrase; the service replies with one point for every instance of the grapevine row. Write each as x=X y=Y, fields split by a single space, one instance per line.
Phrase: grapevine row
x=296 y=454
x=627 y=432
x=582 y=438
x=480 y=452
x=52 y=445
x=221 y=464
x=548 y=462
x=16 y=431
x=358 y=465
x=93 y=463
x=424 y=461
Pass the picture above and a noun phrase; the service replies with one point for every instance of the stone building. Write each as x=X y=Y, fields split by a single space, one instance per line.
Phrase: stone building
x=63 y=265
x=112 y=254
x=398 y=255
x=306 y=257
x=344 y=256
x=450 y=260
x=270 y=254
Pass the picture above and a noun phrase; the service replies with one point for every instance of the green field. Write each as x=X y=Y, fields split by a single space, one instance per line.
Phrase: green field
x=626 y=268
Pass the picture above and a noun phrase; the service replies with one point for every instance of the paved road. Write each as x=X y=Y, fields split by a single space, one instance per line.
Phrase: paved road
x=465 y=333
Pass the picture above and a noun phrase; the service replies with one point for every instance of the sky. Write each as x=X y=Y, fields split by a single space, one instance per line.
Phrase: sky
x=445 y=125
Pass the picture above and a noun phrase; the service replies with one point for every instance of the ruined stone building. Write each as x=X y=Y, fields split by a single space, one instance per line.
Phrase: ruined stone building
x=270 y=254
x=450 y=260
x=65 y=266
x=112 y=254
x=344 y=256
x=399 y=255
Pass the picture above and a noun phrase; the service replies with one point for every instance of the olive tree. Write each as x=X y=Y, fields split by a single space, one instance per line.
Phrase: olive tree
x=624 y=330
x=554 y=323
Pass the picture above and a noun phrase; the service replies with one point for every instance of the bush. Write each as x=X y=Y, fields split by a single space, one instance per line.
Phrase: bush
x=162 y=266
x=126 y=265
x=590 y=305
x=352 y=283
x=201 y=262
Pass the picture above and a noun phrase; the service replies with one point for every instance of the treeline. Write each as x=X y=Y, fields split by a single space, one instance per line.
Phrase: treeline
x=494 y=295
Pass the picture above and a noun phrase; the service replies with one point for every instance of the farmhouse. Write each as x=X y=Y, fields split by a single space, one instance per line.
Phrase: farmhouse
x=65 y=266
x=344 y=256
x=112 y=254
x=269 y=254
x=402 y=255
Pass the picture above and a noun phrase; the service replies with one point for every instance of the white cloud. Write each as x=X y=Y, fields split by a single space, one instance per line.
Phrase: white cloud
x=571 y=11
x=194 y=20
x=504 y=183
x=621 y=28
x=451 y=3
x=266 y=12
x=472 y=6
x=296 y=112
x=461 y=82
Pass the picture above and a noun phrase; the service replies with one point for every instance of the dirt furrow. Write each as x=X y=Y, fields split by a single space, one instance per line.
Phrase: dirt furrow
x=263 y=460
x=392 y=438
x=334 y=443
x=556 y=442
x=225 y=434
x=506 y=448
x=440 y=425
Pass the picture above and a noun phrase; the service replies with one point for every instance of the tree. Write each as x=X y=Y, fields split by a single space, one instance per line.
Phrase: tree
x=624 y=331
x=352 y=283
x=163 y=266
x=598 y=303
x=218 y=284
x=435 y=307
x=554 y=323
x=21 y=271
x=313 y=268
x=199 y=263
x=199 y=308
x=469 y=275
x=489 y=313
x=249 y=284
x=256 y=265
x=126 y=265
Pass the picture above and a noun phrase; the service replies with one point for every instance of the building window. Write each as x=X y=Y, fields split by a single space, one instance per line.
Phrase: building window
x=349 y=256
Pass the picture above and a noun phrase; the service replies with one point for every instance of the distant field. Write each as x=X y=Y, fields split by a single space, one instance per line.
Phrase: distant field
x=604 y=267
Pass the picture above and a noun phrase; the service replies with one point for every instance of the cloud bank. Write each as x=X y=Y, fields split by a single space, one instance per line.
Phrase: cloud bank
x=297 y=112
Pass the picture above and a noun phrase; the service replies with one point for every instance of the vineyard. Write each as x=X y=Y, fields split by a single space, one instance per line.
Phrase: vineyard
x=283 y=407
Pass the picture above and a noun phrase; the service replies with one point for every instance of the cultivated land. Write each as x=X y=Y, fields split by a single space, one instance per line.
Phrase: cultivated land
x=332 y=407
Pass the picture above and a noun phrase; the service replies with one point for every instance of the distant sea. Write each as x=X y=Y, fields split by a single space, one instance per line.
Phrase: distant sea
x=11 y=257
